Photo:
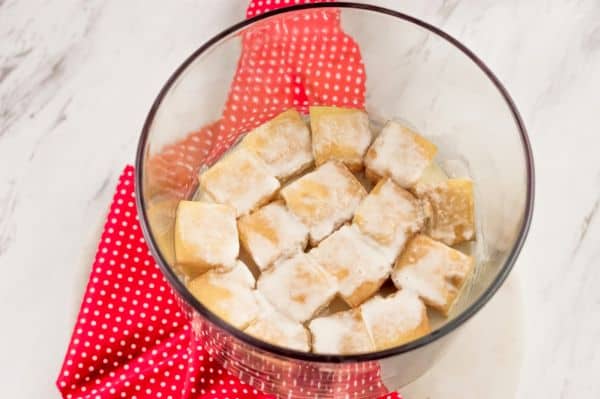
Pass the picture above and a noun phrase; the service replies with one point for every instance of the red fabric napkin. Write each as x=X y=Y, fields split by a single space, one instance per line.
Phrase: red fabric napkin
x=131 y=340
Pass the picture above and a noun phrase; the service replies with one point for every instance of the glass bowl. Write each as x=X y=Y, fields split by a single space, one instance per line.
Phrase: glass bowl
x=345 y=54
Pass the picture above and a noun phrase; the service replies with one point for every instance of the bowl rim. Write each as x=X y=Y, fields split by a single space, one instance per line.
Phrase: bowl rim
x=451 y=325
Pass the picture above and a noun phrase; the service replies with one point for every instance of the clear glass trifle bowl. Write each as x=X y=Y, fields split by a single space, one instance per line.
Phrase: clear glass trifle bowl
x=350 y=55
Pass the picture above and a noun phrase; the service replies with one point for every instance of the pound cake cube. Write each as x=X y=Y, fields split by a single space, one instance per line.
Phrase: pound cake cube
x=297 y=287
x=399 y=153
x=359 y=266
x=270 y=233
x=432 y=176
x=340 y=134
x=283 y=143
x=396 y=319
x=229 y=295
x=240 y=179
x=275 y=328
x=342 y=333
x=389 y=215
x=206 y=237
x=434 y=271
x=452 y=218
x=324 y=199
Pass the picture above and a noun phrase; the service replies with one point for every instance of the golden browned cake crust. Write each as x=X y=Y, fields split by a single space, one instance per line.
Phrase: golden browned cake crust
x=396 y=319
x=239 y=179
x=452 y=210
x=324 y=199
x=270 y=233
x=297 y=287
x=357 y=264
x=340 y=134
x=283 y=143
x=341 y=333
x=399 y=153
x=277 y=329
x=436 y=272
x=230 y=295
x=206 y=237
x=389 y=215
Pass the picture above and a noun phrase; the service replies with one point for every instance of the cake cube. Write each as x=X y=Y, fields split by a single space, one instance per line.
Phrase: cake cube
x=452 y=218
x=275 y=328
x=342 y=333
x=324 y=199
x=432 y=175
x=396 y=319
x=389 y=215
x=340 y=134
x=399 y=153
x=355 y=261
x=283 y=143
x=206 y=237
x=434 y=271
x=297 y=287
x=270 y=233
x=230 y=295
x=240 y=179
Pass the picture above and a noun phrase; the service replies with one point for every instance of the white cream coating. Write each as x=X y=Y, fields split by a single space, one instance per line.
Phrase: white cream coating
x=343 y=135
x=240 y=274
x=283 y=143
x=451 y=208
x=230 y=295
x=241 y=180
x=298 y=287
x=425 y=278
x=324 y=199
x=272 y=232
x=353 y=259
x=388 y=319
x=341 y=333
x=437 y=275
x=274 y=327
x=398 y=155
x=206 y=234
x=431 y=176
x=389 y=215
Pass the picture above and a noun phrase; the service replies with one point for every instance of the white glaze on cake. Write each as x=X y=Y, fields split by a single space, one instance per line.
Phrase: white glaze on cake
x=206 y=236
x=389 y=215
x=324 y=199
x=399 y=153
x=341 y=333
x=241 y=180
x=273 y=327
x=359 y=266
x=433 y=271
x=452 y=213
x=283 y=143
x=396 y=319
x=270 y=233
x=298 y=287
x=229 y=295
x=340 y=134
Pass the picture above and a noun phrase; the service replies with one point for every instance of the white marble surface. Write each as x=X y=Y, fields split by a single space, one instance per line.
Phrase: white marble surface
x=76 y=81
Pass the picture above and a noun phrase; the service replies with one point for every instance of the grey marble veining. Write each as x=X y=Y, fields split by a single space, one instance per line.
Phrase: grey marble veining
x=76 y=81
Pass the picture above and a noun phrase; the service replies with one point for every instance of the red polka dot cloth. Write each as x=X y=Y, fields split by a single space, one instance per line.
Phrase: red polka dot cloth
x=132 y=339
